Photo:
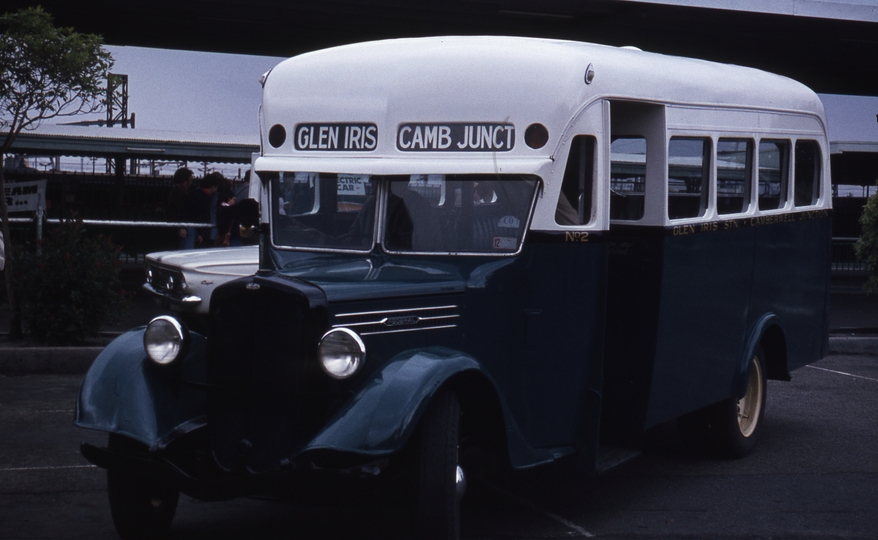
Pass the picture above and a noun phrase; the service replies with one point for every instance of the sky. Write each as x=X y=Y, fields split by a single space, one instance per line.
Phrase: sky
x=220 y=94
x=191 y=91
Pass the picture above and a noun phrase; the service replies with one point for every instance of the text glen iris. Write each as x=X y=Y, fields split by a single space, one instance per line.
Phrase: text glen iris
x=337 y=137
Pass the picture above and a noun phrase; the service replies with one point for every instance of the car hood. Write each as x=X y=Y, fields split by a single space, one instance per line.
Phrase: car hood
x=370 y=278
x=230 y=261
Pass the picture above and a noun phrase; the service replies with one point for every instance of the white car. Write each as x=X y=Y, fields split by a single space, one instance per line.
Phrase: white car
x=184 y=280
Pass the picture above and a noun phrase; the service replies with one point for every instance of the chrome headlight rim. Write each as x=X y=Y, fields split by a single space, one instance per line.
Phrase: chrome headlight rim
x=341 y=353
x=165 y=340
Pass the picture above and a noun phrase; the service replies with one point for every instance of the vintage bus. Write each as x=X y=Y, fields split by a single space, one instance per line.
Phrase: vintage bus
x=535 y=248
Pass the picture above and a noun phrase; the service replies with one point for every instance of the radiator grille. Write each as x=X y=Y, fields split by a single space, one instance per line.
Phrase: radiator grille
x=165 y=279
x=266 y=395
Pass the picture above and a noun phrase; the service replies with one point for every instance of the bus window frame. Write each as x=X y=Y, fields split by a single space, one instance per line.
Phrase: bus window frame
x=751 y=207
x=785 y=204
x=707 y=196
x=818 y=172
x=646 y=176
x=591 y=144
x=748 y=169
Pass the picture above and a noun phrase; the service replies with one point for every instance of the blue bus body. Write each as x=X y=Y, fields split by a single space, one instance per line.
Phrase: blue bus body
x=537 y=248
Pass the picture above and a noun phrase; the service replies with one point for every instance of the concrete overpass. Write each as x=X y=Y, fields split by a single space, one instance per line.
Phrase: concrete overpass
x=830 y=46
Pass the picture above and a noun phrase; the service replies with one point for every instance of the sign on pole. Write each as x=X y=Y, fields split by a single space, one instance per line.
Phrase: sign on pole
x=26 y=196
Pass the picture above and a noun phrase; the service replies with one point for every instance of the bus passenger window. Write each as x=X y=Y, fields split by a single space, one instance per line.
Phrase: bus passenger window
x=733 y=169
x=773 y=170
x=688 y=174
x=807 y=179
x=627 y=177
x=574 y=203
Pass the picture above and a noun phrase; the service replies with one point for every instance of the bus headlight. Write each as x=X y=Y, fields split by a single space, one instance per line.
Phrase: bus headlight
x=341 y=353
x=165 y=340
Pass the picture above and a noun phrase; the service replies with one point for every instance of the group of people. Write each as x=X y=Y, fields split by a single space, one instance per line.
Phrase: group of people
x=209 y=200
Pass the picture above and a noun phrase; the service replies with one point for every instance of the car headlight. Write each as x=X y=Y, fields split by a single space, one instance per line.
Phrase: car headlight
x=341 y=353
x=165 y=340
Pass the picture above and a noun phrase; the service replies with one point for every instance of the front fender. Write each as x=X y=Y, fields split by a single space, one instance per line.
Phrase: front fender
x=383 y=414
x=124 y=392
x=742 y=373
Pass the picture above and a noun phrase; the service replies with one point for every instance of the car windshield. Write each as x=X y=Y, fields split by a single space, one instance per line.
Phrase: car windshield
x=433 y=213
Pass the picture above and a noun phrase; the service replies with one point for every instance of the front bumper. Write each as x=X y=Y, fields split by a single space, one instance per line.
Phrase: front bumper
x=202 y=479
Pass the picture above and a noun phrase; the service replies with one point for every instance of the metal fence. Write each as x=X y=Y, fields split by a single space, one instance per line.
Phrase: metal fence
x=132 y=209
x=136 y=238
x=844 y=257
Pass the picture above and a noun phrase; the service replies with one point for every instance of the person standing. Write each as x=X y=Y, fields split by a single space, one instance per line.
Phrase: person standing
x=197 y=209
x=225 y=215
x=176 y=201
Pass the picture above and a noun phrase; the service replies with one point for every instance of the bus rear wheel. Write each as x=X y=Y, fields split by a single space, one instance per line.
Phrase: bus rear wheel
x=736 y=422
x=731 y=427
x=439 y=479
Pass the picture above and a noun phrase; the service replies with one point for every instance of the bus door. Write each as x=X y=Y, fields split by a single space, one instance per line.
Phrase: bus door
x=634 y=268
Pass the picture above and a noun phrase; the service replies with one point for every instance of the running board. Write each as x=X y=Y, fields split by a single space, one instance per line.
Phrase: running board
x=610 y=457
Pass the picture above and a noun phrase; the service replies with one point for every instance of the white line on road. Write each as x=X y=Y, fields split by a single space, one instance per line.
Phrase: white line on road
x=843 y=373
x=567 y=523
x=12 y=469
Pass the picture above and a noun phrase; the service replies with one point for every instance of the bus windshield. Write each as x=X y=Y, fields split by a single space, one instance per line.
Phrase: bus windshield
x=323 y=210
x=430 y=213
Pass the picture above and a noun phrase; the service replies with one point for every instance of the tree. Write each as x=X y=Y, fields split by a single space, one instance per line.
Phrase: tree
x=867 y=245
x=45 y=73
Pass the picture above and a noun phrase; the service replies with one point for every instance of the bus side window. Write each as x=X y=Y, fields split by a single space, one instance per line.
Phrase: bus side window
x=688 y=175
x=627 y=177
x=807 y=179
x=734 y=158
x=773 y=170
x=575 y=201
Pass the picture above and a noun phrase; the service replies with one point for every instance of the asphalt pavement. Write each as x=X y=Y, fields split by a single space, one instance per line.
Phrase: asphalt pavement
x=813 y=475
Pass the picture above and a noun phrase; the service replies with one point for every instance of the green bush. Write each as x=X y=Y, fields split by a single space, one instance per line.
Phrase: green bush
x=69 y=285
x=867 y=245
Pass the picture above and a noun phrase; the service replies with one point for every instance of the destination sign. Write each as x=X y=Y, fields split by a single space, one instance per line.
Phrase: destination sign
x=337 y=137
x=455 y=137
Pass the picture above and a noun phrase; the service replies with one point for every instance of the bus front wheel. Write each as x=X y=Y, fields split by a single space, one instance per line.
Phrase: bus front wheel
x=439 y=478
x=142 y=508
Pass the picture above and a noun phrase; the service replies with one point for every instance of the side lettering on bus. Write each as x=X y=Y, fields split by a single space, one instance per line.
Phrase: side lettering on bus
x=742 y=223
x=336 y=137
x=455 y=137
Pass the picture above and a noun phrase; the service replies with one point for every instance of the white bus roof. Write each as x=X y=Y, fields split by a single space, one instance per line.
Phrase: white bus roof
x=513 y=80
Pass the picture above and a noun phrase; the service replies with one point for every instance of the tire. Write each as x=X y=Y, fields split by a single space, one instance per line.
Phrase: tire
x=437 y=503
x=736 y=423
x=141 y=507
x=731 y=427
